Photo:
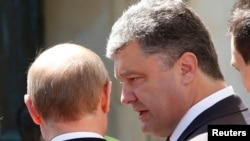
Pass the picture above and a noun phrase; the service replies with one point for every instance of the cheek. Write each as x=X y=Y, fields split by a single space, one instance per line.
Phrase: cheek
x=170 y=96
x=246 y=79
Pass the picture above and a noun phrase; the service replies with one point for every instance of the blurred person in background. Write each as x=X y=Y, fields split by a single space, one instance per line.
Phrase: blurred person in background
x=239 y=28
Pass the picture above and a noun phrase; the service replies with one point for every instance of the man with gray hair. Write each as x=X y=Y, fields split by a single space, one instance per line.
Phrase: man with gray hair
x=168 y=67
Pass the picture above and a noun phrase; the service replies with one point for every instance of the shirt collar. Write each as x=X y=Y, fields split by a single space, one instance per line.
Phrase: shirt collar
x=73 y=135
x=198 y=108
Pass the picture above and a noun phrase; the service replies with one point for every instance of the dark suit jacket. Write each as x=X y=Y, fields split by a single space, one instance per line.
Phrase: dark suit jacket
x=228 y=111
x=87 y=139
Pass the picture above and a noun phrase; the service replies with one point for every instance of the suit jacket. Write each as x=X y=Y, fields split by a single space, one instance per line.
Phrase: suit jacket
x=87 y=139
x=230 y=110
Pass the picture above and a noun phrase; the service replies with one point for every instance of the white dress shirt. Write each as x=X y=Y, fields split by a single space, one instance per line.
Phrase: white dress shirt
x=198 y=108
x=75 y=135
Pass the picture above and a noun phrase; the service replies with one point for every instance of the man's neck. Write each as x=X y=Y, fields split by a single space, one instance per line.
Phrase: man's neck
x=51 y=130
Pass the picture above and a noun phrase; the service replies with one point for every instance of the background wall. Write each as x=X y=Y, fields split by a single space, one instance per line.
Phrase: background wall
x=21 y=32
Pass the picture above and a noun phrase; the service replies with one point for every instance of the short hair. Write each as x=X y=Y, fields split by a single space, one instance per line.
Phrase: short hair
x=166 y=27
x=65 y=82
x=239 y=27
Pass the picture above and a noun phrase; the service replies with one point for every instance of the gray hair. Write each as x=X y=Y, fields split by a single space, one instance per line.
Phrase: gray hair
x=167 y=27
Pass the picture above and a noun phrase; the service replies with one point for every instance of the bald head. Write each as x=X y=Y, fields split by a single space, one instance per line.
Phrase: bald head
x=65 y=82
x=62 y=54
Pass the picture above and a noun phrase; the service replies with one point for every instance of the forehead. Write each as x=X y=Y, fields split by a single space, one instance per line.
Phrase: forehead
x=234 y=52
x=129 y=56
x=236 y=58
x=130 y=51
x=131 y=59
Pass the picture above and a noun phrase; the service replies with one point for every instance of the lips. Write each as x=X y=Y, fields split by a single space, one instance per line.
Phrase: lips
x=142 y=111
x=142 y=115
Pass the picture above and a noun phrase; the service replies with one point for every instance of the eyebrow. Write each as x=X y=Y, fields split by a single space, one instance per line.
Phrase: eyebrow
x=233 y=64
x=126 y=73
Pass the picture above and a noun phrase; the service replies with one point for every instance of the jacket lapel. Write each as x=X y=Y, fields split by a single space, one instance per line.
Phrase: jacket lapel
x=225 y=107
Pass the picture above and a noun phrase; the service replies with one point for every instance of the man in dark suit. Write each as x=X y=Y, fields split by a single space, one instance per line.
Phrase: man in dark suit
x=168 y=67
x=68 y=94
x=230 y=111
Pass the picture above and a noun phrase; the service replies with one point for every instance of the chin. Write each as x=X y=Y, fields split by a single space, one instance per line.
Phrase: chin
x=153 y=132
x=248 y=90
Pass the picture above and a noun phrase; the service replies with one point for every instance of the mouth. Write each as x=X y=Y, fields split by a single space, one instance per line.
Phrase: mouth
x=142 y=115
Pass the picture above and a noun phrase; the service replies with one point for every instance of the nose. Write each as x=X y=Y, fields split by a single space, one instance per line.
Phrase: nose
x=127 y=95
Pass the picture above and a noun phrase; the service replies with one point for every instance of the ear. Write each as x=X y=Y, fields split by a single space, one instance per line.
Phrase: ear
x=188 y=64
x=105 y=99
x=32 y=110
